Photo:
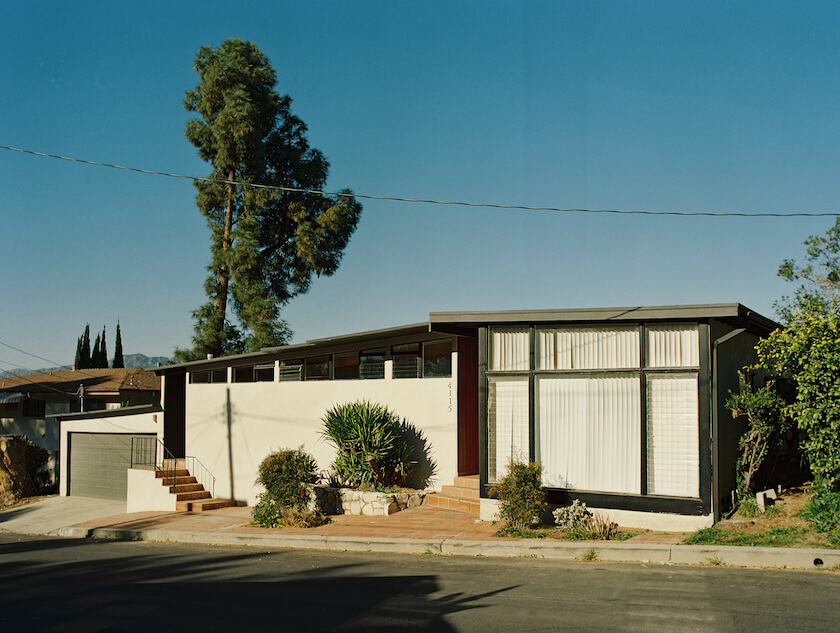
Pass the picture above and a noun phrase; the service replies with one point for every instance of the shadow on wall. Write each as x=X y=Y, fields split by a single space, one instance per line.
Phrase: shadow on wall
x=426 y=467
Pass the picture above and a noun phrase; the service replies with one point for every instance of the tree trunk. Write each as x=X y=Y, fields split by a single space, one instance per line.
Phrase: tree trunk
x=224 y=272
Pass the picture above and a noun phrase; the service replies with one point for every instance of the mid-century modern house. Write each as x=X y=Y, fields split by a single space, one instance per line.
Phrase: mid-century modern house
x=623 y=407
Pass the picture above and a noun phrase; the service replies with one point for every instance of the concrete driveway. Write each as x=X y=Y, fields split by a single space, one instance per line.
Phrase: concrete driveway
x=49 y=515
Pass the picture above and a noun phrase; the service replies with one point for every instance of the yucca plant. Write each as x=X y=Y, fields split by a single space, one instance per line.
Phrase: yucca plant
x=370 y=448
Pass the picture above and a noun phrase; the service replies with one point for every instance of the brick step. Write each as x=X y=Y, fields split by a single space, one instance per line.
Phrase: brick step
x=188 y=487
x=468 y=481
x=177 y=481
x=203 y=505
x=174 y=463
x=458 y=492
x=437 y=500
x=169 y=473
x=192 y=496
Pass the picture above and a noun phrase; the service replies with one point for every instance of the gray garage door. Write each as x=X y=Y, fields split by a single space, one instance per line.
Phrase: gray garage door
x=98 y=464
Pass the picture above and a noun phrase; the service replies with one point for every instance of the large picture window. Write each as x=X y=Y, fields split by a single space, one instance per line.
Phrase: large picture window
x=595 y=402
x=589 y=433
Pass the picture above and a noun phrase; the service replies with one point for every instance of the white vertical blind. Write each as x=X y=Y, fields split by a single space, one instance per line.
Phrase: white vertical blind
x=673 y=460
x=673 y=345
x=508 y=422
x=509 y=349
x=588 y=348
x=590 y=433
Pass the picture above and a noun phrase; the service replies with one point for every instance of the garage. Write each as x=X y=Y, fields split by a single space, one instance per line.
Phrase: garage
x=98 y=463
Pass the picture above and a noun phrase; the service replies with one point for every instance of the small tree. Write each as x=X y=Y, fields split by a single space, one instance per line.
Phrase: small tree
x=764 y=410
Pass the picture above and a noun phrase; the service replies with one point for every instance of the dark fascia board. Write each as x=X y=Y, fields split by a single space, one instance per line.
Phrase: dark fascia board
x=309 y=348
x=109 y=413
x=225 y=361
x=370 y=335
x=723 y=311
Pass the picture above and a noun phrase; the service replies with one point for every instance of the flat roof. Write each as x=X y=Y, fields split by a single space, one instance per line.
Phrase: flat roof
x=724 y=311
x=461 y=322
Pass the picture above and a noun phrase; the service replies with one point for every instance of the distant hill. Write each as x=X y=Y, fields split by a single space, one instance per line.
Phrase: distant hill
x=145 y=362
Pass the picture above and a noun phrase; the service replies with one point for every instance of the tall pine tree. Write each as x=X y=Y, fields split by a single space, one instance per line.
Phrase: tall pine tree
x=266 y=245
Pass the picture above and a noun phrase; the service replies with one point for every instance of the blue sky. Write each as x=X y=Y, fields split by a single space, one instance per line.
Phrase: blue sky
x=656 y=106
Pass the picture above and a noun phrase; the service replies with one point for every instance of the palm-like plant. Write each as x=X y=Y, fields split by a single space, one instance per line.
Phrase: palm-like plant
x=369 y=443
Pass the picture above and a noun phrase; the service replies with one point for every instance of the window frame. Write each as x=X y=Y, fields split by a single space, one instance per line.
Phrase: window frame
x=641 y=372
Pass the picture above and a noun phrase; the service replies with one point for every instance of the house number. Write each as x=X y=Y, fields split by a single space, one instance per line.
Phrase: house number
x=450 y=397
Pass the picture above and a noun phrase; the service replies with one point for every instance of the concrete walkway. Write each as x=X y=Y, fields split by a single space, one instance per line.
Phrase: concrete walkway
x=423 y=530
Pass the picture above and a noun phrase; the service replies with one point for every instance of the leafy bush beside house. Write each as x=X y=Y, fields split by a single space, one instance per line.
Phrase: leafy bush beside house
x=767 y=425
x=370 y=443
x=521 y=497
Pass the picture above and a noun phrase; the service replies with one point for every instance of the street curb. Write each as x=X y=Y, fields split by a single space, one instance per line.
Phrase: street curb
x=723 y=555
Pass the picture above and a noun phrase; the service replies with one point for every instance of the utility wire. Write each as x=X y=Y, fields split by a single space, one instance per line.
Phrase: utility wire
x=421 y=200
x=32 y=355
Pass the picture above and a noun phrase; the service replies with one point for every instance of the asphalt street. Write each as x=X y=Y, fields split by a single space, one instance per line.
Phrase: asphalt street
x=56 y=584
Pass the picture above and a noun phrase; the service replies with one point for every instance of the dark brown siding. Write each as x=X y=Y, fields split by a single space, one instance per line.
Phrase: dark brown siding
x=467 y=406
x=174 y=413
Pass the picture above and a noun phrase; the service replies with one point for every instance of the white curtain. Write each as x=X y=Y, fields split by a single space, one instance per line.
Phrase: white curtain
x=509 y=350
x=673 y=345
x=508 y=413
x=590 y=433
x=673 y=461
x=588 y=348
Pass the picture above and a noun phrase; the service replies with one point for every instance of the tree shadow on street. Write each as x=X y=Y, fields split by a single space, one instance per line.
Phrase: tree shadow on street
x=135 y=587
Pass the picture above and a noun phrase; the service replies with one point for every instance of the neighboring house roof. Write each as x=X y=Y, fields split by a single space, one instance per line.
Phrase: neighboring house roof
x=95 y=381
x=464 y=323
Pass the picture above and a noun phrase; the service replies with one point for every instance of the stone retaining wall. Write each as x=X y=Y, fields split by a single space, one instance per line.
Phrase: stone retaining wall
x=328 y=500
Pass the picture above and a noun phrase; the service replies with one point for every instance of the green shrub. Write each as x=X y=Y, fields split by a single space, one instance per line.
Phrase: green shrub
x=269 y=514
x=580 y=524
x=521 y=497
x=37 y=459
x=823 y=511
x=371 y=450
x=284 y=475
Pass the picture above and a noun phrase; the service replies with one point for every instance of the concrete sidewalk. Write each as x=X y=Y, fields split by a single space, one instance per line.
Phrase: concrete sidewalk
x=423 y=530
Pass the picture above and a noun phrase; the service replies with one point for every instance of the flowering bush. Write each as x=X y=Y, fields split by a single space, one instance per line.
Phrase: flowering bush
x=573 y=517
x=284 y=474
x=581 y=524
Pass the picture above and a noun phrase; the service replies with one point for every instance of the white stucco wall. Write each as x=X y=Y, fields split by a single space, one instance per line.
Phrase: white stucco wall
x=269 y=416
x=147 y=422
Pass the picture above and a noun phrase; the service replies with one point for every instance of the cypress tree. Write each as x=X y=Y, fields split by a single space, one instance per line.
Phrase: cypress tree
x=119 y=362
x=103 y=352
x=83 y=350
x=95 y=356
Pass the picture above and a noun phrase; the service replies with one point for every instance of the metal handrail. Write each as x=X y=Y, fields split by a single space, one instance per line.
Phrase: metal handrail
x=151 y=452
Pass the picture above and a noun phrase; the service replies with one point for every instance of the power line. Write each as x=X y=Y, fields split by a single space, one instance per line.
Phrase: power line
x=32 y=355
x=340 y=194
